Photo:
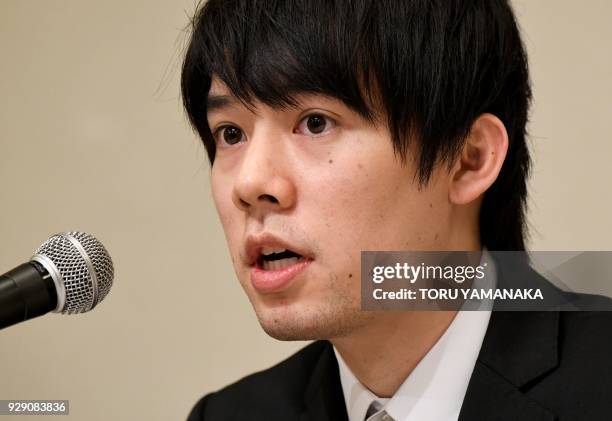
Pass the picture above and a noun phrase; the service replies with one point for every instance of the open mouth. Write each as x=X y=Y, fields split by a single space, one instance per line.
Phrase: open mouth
x=277 y=259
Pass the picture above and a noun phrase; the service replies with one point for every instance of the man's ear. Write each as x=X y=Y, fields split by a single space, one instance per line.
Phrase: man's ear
x=480 y=160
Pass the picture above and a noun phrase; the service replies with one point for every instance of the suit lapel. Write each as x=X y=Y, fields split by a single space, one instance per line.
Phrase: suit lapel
x=518 y=349
x=324 y=399
x=490 y=397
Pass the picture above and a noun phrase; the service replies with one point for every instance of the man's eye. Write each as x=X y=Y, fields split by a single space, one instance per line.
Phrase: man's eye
x=230 y=134
x=315 y=124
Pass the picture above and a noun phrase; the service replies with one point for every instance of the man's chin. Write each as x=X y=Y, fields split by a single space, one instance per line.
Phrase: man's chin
x=284 y=333
x=287 y=327
x=309 y=324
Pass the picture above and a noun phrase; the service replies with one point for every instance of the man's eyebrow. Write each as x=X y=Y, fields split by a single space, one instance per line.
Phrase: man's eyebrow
x=217 y=102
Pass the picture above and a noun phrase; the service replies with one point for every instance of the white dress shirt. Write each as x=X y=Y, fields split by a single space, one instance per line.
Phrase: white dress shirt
x=435 y=389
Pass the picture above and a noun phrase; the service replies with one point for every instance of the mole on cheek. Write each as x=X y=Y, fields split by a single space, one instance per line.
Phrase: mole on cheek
x=350 y=275
x=331 y=161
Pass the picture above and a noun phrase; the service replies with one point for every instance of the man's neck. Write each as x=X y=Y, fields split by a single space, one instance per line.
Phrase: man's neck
x=382 y=354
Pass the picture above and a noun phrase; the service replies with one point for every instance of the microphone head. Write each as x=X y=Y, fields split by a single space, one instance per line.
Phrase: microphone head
x=81 y=268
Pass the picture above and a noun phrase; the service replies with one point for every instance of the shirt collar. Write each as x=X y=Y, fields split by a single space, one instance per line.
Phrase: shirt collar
x=435 y=389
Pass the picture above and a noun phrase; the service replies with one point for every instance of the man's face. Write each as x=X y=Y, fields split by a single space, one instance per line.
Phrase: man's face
x=323 y=182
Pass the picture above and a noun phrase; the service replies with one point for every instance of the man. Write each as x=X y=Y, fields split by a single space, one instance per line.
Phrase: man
x=339 y=126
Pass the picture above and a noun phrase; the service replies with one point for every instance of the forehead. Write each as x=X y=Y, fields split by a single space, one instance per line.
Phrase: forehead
x=218 y=88
x=221 y=96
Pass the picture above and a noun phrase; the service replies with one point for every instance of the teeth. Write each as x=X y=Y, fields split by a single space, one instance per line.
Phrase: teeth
x=266 y=251
x=279 y=264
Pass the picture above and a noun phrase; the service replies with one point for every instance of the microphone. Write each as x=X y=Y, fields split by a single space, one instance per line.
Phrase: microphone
x=69 y=273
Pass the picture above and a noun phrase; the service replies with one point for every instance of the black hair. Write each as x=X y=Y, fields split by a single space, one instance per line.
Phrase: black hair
x=433 y=66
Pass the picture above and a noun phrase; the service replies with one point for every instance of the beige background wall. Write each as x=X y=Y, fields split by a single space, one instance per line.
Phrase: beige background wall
x=92 y=137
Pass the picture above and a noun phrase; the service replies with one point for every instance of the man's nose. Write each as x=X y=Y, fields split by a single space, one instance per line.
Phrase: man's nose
x=264 y=181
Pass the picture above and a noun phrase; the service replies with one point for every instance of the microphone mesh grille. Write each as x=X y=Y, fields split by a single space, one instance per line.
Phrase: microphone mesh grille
x=81 y=295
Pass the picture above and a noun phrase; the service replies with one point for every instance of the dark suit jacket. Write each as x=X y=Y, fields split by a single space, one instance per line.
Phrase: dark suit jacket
x=535 y=365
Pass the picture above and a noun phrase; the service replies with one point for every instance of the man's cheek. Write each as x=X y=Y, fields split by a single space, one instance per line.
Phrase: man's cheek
x=232 y=224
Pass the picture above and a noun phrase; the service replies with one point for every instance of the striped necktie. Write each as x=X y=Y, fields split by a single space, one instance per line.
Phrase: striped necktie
x=374 y=413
